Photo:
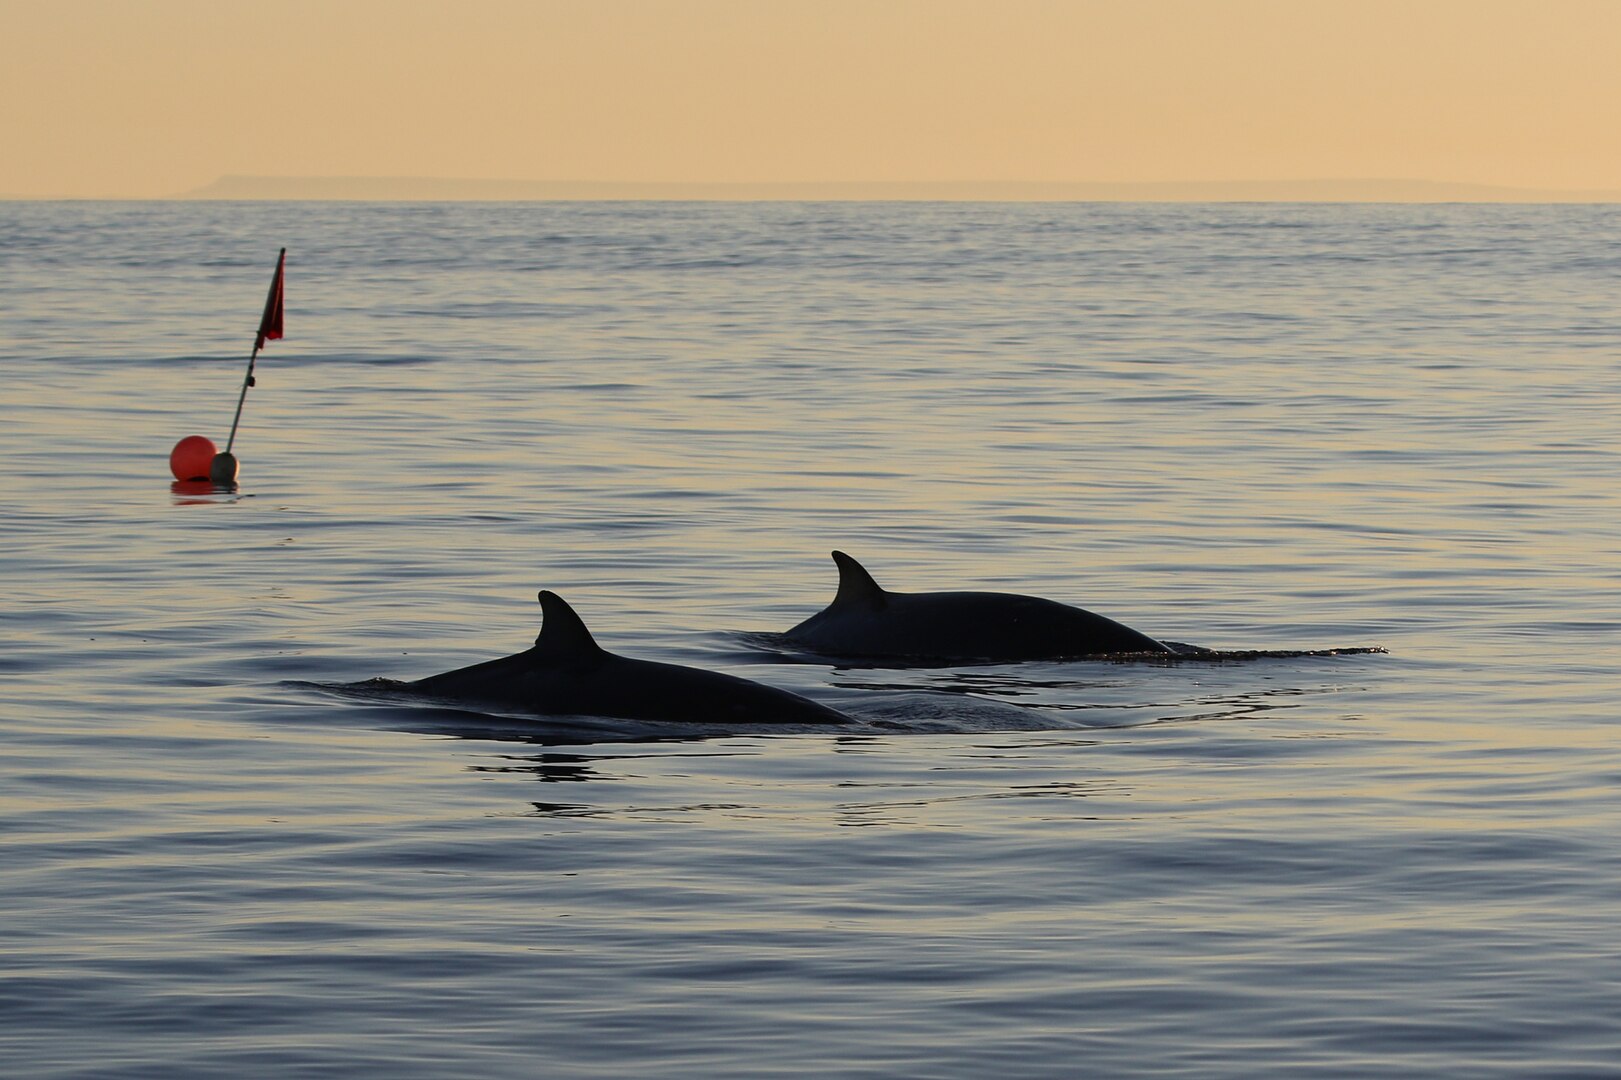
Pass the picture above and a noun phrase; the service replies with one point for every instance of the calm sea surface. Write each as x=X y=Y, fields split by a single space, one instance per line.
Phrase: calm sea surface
x=1242 y=426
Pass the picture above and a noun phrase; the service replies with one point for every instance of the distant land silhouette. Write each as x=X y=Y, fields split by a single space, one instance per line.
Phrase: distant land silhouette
x=416 y=188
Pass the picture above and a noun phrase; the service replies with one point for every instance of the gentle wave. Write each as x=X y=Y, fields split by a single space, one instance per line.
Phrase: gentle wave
x=1280 y=430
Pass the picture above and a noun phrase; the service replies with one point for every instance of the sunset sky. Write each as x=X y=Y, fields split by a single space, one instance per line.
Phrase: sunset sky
x=153 y=98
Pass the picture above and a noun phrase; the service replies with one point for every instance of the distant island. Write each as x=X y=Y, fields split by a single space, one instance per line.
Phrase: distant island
x=432 y=189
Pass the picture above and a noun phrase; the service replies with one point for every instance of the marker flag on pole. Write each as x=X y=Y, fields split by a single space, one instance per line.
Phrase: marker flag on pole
x=269 y=330
x=270 y=324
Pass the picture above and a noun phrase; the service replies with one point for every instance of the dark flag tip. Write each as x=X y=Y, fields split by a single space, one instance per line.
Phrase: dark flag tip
x=270 y=324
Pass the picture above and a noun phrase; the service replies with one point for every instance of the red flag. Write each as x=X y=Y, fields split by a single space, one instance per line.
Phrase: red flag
x=270 y=324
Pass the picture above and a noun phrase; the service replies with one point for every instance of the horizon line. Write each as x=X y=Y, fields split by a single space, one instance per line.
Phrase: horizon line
x=386 y=188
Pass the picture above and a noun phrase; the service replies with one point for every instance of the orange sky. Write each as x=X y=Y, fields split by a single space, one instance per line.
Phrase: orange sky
x=150 y=98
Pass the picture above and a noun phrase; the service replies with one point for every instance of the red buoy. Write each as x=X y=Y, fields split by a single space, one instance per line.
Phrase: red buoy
x=191 y=457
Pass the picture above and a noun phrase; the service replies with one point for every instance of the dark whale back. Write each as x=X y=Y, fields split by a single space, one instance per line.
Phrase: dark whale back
x=568 y=673
x=864 y=620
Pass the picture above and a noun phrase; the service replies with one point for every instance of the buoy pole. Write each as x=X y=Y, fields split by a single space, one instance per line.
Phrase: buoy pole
x=247 y=381
x=223 y=470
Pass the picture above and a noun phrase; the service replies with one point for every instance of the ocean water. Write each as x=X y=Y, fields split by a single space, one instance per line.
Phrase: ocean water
x=1250 y=427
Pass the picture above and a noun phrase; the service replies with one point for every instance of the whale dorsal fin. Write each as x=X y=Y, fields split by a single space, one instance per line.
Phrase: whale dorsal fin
x=856 y=586
x=562 y=633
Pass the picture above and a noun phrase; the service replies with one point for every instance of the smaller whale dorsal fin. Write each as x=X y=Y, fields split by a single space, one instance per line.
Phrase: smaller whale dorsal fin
x=563 y=633
x=856 y=586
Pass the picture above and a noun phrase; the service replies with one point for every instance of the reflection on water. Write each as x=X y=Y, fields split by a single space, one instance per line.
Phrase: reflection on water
x=855 y=802
x=547 y=768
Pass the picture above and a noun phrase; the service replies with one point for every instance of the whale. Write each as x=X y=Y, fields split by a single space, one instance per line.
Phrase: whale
x=868 y=622
x=566 y=673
